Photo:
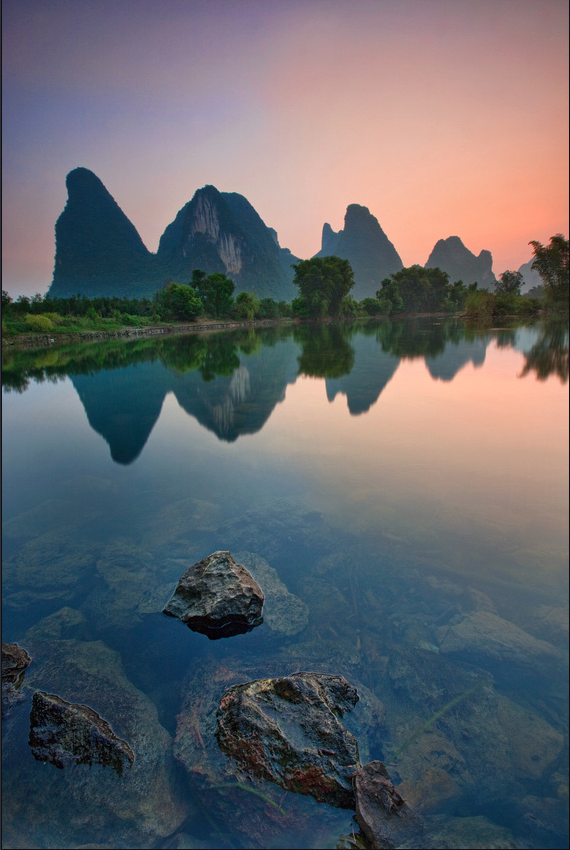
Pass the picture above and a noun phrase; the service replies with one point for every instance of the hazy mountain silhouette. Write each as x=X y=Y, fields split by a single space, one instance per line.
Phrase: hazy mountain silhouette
x=98 y=250
x=222 y=232
x=367 y=248
x=451 y=256
x=531 y=277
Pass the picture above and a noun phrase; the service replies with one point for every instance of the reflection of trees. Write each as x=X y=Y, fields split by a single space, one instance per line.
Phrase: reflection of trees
x=184 y=354
x=326 y=352
x=549 y=355
x=505 y=337
x=210 y=355
x=418 y=338
x=19 y=367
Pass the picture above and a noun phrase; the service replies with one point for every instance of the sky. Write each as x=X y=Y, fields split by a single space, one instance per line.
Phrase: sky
x=443 y=117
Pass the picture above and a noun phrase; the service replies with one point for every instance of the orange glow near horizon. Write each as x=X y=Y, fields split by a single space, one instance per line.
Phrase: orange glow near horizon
x=443 y=118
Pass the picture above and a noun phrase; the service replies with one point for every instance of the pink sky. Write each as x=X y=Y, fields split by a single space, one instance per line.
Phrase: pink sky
x=443 y=117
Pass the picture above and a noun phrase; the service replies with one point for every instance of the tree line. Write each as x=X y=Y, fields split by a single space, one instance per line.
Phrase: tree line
x=324 y=285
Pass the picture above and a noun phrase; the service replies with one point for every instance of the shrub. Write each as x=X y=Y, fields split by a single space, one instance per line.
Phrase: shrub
x=479 y=304
x=371 y=306
x=55 y=318
x=39 y=323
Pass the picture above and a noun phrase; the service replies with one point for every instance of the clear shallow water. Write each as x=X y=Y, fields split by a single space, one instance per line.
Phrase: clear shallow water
x=408 y=482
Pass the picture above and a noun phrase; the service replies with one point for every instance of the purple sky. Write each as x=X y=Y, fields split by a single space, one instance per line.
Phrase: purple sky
x=443 y=117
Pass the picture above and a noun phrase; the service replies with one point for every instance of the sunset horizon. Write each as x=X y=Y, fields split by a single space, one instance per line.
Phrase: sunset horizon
x=443 y=119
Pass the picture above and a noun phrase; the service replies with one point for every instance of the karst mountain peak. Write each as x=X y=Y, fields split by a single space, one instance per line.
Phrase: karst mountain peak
x=100 y=253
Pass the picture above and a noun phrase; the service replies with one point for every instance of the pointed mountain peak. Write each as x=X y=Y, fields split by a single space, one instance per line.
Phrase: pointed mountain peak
x=79 y=177
x=451 y=256
x=367 y=248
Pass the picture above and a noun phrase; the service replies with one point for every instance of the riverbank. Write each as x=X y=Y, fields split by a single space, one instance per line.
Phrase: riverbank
x=39 y=340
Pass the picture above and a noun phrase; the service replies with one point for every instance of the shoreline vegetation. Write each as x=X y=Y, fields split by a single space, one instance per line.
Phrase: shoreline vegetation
x=36 y=339
x=207 y=302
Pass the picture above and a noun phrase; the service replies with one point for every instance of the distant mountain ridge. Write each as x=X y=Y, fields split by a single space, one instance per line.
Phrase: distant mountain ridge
x=99 y=251
x=531 y=277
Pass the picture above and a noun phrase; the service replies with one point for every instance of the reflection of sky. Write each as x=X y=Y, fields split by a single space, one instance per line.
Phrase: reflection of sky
x=469 y=455
x=525 y=338
x=470 y=473
x=444 y=118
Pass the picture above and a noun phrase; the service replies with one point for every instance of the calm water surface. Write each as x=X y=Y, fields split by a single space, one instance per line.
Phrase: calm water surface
x=407 y=482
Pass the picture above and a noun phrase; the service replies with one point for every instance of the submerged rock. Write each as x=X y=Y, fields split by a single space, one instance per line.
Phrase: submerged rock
x=284 y=612
x=383 y=816
x=138 y=807
x=470 y=833
x=217 y=597
x=283 y=525
x=64 y=733
x=15 y=660
x=287 y=730
x=487 y=638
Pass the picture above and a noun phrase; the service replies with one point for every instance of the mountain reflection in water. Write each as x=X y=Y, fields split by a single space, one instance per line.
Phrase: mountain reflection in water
x=411 y=537
x=230 y=382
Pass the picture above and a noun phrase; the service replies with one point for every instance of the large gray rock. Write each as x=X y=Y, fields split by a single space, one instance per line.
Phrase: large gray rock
x=15 y=660
x=218 y=597
x=383 y=816
x=288 y=730
x=64 y=733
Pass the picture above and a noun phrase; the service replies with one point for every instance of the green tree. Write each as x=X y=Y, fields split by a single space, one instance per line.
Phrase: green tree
x=268 y=309
x=180 y=302
x=246 y=305
x=371 y=306
x=509 y=283
x=6 y=299
x=551 y=262
x=388 y=296
x=215 y=291
x=420 y=290
x=324 y=284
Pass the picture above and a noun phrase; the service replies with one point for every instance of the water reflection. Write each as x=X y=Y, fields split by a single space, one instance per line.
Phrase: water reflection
x=549 y=355
x=420 y=551
x=326 y=351
x=231 y=382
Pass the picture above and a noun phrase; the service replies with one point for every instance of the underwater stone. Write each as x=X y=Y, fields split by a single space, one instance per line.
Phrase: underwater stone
x=218 y=597
x=15 y=660
x=383 y=816
x=284 y=612
x=488 y=638
x=64 y=734
x=287 y=730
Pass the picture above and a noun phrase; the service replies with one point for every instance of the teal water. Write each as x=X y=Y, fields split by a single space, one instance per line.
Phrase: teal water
x=406 y=482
